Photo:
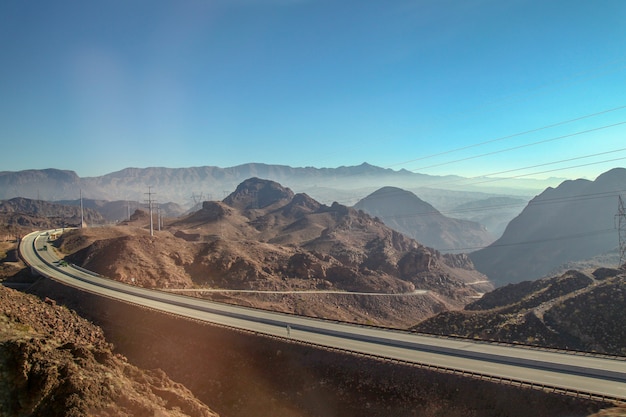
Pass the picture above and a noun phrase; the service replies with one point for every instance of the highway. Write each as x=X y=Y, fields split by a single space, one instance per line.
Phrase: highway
x=576 y=373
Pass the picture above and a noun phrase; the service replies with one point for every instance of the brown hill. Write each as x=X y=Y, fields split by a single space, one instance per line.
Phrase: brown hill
x=577 y=310
x=407 y=213
x=54 y=363
x=19 y=216
x=264 y=237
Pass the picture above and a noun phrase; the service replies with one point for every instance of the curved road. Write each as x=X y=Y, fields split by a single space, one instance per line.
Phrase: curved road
x=593 y=375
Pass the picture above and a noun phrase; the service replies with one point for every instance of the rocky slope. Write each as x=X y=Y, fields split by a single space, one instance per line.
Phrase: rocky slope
x=23 y=213
x=574 y=221
x=265 y=237
x=407 y=213
x=239 y=375
x=54 y=363
x=576 y=310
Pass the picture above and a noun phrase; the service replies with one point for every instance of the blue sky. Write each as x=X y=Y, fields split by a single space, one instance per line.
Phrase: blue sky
x=434 y=86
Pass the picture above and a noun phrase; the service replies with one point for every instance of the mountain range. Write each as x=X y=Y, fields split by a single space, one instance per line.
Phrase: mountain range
x=187 y=186
x=572 y=222
x=263 y=236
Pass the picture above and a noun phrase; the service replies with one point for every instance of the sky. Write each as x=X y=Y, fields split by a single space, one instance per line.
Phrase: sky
x=516 y=88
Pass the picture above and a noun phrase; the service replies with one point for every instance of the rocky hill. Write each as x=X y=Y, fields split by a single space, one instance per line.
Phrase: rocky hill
x=265 y=237
x=576 y=310
x=407 y=213
x=70 y=370
x=54 y=363
x=572 y=222
x=22 y=214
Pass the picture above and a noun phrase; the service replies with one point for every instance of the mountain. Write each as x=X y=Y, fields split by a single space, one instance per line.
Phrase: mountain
x=405 y=212
x=187 y=186
x=45 y=184
x=572 y=222
x=264 y=237
x=27 y=213
x=577 y=310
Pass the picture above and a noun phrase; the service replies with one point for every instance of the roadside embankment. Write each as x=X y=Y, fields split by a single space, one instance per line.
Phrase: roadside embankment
x=242 y=374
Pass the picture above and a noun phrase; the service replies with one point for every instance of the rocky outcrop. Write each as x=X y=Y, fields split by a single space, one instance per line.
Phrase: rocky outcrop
x=255 y=193
x=576 y=310
x=54 y=363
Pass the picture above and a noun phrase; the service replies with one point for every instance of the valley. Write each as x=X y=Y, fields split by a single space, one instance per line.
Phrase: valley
x=265 y=246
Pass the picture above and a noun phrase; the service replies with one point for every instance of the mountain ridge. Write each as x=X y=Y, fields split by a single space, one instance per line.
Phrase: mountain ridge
x=265 y=237
x=178 y=184
x=579 y=213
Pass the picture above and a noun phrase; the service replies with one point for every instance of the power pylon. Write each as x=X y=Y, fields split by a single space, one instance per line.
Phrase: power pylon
x=621 y=228
x=150 y=202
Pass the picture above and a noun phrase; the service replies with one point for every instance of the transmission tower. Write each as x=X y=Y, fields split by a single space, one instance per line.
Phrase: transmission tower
x=621 y=227
x=82 y=216
x=150 y=202
x=197 y=198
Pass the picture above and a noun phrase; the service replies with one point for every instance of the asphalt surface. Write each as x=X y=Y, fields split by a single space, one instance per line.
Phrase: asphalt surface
x=588 y=374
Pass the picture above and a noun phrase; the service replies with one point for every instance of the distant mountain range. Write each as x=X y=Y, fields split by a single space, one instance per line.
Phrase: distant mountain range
x=407 y=213
x=574 y=221
x=189 y=186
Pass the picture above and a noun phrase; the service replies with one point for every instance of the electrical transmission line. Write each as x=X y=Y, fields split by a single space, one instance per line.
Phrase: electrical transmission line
x=511 y=136
x=582 y=132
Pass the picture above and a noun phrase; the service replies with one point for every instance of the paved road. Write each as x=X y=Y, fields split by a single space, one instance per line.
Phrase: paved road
x=314 y=292
x=578 y=373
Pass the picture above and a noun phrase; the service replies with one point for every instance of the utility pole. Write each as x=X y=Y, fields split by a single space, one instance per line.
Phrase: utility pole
x=621 y=228
x=82 y=217
x=158 y=217
x=150 y=194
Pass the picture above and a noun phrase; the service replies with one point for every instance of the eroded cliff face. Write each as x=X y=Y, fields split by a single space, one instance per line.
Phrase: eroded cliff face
x=54 y=363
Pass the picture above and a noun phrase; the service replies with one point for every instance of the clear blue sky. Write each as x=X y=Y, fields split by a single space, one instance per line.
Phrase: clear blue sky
x=97 y=86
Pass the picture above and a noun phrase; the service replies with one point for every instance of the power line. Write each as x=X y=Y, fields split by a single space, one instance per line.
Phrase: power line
x=483 y=178
x=511 y=136
x=550 y=170
x=582 y=132
x=534 y=202
x=552 y=163
x=530 y=242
